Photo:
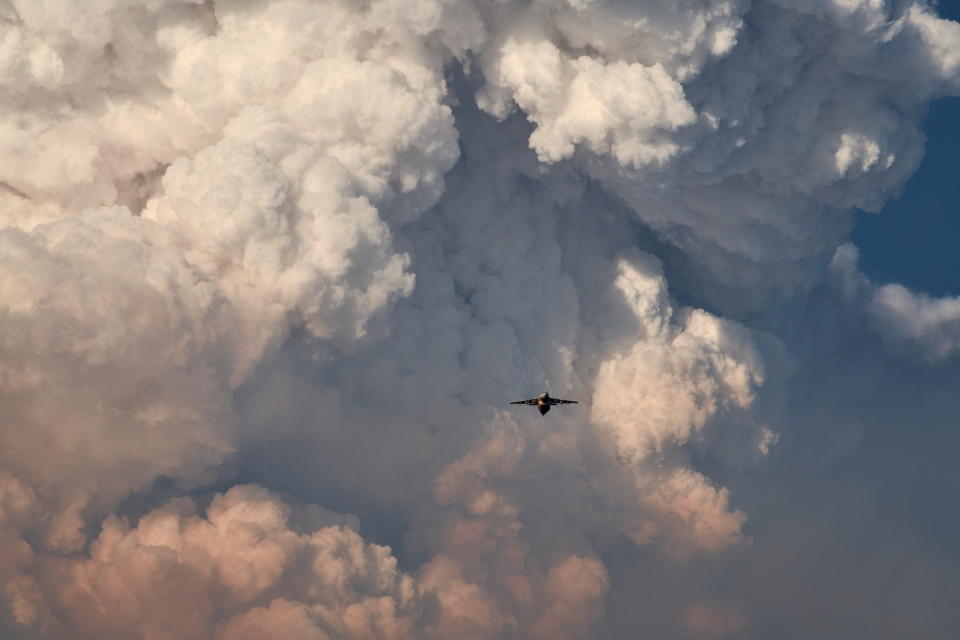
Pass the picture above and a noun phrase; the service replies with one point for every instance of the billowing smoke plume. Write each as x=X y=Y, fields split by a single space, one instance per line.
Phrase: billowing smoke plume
x=270 y=271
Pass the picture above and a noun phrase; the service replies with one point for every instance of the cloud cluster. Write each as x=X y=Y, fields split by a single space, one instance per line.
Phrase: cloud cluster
x=753 y=136
x=126 y=333
x=682 y=371
x=311 y=247
x=251 y=565
x=911 y=324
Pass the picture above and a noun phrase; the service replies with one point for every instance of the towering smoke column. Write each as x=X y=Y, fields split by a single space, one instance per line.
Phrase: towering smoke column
x=270 y=271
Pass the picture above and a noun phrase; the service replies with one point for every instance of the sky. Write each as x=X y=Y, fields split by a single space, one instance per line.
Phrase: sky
x=909 y=242
x=271 y=272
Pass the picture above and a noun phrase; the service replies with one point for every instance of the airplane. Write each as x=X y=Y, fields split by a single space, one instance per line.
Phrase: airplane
x=543 y=402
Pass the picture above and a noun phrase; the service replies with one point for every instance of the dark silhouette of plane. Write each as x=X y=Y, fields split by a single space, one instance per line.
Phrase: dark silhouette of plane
x=543 y=402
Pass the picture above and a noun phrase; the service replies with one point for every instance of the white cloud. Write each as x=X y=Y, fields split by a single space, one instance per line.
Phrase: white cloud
x=245 y=562
x=911 y=324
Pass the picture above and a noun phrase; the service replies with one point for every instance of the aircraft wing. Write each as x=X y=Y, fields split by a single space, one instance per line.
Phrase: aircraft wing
x=562 y=401
x=530 y=401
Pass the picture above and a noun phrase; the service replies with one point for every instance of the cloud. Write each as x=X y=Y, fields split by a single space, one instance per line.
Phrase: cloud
x=595 y=112
x=706 y=620
x=683 y=370
x=928 y=324
x=280 y=245
x=911 y=324
x=250 y=562
x=113 y=376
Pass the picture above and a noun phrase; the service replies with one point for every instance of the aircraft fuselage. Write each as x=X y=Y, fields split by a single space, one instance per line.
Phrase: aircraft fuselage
x=543 y=403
